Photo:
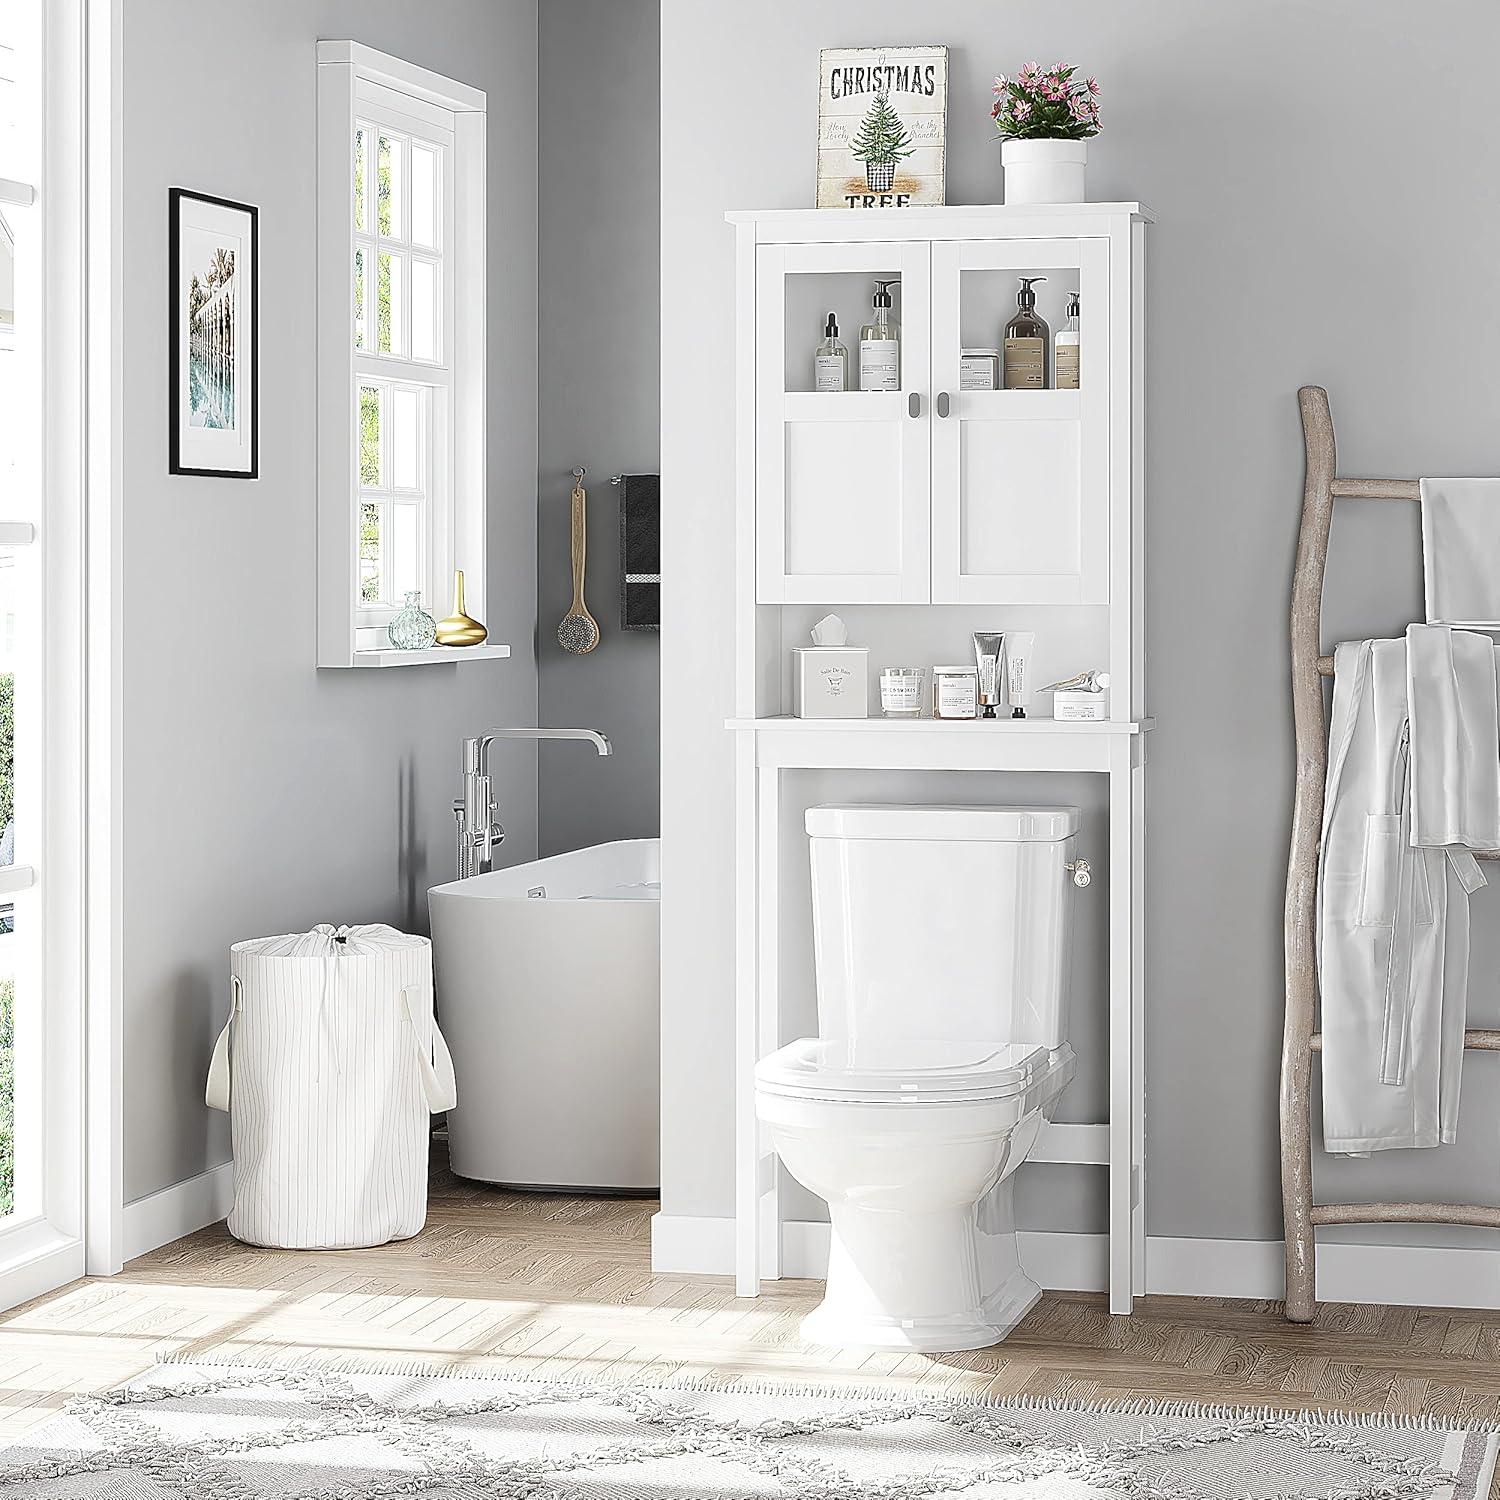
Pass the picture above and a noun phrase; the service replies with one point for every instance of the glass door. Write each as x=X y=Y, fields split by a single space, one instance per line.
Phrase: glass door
x=40 y=676
x=842 y=475
x=1020 y=466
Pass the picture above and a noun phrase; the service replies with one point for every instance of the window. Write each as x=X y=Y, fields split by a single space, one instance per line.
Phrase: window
x=401 y=446
x=400 y=187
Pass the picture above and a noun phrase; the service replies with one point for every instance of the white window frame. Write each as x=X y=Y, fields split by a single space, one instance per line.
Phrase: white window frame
x=357 y=84
x=42 y=1243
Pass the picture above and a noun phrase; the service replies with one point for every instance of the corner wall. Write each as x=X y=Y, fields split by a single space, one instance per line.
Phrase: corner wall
x=1292 y=229
x=599 y=334
x=261 y=795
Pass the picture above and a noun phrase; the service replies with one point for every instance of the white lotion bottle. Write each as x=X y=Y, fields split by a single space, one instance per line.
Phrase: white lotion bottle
x=831 y=360
x=1018 y=679
x=880 y=345
x=1065 y=353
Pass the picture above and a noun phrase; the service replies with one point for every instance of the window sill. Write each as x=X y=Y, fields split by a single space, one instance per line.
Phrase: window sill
x=433 y=656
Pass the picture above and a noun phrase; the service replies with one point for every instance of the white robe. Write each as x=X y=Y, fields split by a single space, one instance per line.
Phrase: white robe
x=1393 y=911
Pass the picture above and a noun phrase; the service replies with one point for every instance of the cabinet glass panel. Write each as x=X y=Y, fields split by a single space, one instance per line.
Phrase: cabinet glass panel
x=812 y=354
x=1022 y=339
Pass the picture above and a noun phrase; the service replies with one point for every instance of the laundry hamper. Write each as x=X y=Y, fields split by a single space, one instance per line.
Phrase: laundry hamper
x=330 y=1065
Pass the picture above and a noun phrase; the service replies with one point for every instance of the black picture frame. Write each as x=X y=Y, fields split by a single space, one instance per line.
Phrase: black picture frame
x=179 y=461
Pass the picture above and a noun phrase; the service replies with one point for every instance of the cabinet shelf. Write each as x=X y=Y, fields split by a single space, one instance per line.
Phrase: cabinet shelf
x=1041 y=406
x=808 y=406
x=873 y=725
x=944 y=744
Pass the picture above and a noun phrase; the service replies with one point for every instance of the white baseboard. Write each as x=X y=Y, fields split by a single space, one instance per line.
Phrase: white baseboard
x=1400 y=1275
x=38 y=1260
x=159 y=1218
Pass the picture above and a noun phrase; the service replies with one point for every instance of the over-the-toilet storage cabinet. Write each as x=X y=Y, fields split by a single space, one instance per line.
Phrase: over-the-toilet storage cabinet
x=921 y=515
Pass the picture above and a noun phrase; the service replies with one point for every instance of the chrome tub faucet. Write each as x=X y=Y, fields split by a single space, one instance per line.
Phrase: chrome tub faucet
x=479 y=830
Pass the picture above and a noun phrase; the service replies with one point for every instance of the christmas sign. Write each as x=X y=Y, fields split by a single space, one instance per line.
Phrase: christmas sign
x=882 y=126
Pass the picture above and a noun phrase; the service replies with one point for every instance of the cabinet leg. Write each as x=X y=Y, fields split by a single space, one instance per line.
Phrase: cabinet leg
x=1126 y=1034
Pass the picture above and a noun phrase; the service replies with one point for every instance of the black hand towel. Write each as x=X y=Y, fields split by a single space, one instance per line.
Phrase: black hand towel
x=640 y=552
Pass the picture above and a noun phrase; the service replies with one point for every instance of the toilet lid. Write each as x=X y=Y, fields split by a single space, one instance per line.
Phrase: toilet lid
x=893 y=1071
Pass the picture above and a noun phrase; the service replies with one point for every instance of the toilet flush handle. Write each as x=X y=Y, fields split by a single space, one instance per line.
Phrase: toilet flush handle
x=1082 y=871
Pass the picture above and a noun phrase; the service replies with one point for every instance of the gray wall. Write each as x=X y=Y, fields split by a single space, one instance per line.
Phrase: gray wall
x=599 y=340
x=1306 y=197
x=261 y=795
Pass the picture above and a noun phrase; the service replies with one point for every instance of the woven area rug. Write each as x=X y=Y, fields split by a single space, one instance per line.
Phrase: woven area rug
x=231 y=1433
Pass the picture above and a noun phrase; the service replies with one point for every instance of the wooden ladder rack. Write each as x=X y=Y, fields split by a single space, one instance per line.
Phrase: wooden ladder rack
x=1321 y=488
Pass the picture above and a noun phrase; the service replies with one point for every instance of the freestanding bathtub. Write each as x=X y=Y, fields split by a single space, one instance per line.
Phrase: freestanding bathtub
x=548 y=988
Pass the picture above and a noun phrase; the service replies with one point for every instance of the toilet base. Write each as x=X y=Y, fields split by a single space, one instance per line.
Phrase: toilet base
x=998 y=1316
x=932 y=1279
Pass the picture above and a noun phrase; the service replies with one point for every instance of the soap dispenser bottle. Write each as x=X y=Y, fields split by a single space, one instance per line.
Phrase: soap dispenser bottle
x=880 y=345
x=1065 y=361
x=1027 y=339
x=831 y=360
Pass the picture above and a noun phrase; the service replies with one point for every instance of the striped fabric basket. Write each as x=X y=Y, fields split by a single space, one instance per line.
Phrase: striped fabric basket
x=330 y=1066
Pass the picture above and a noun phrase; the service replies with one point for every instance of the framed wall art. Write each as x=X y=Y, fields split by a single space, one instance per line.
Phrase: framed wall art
x=882 y=126
x=212 y=274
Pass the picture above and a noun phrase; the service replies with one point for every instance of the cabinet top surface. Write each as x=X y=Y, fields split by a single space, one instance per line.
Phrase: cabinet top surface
x=874 y=724
x=997 y=215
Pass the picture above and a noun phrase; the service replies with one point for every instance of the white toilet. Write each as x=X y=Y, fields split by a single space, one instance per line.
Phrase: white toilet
x=941 y=944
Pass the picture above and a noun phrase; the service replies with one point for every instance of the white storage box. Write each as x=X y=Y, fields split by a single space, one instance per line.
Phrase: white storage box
x=330 y=1066
x=830 y=682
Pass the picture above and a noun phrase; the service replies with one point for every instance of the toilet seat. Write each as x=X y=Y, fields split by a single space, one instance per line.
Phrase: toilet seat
x=904 y=1072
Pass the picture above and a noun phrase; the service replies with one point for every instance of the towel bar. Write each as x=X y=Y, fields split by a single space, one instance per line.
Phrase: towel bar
x=1321 y=486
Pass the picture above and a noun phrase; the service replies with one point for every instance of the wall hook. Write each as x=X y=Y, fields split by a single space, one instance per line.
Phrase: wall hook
x=578 y=475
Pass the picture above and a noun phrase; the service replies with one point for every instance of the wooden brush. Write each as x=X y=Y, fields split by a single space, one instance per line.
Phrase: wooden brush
x=579 y=631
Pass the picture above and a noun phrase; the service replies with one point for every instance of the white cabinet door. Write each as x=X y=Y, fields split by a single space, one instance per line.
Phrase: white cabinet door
x=842 y=477
x=1020 y=479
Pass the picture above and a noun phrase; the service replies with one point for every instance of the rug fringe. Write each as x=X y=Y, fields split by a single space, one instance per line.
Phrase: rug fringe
x=874 y=1393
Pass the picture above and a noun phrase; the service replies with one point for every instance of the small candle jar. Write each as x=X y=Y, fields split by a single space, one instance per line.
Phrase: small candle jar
x=955 y=692
x=979 y=370
x=901 y=692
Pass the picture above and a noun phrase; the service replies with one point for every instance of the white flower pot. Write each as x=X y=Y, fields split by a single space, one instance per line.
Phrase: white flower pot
x=1043 y=171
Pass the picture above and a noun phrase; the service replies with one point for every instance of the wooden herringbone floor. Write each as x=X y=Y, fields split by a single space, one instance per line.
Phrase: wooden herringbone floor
x=563 y=1285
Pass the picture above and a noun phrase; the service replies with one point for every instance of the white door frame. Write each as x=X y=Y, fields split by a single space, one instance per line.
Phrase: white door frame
x=68 y=1141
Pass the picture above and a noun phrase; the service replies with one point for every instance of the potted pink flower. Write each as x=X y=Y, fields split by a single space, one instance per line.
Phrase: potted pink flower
x=1044 y=119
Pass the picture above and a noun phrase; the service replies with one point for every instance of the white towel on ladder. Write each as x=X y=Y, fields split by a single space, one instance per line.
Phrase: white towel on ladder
x=1413 y=777
x=1461 y=552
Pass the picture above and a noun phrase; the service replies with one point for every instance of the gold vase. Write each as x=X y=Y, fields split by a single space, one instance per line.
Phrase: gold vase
x=460 y=629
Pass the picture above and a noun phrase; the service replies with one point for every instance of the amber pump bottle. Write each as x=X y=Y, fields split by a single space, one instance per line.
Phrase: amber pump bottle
x=1028 y=343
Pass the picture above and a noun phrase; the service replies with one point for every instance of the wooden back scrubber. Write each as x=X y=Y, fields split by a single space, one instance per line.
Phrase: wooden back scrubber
x=579 y=631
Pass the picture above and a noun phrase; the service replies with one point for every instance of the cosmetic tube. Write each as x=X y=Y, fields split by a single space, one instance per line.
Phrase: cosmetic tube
x=987 y=648
x=1018 y=644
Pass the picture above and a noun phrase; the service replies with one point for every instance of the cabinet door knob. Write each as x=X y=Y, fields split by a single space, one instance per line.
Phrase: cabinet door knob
x=942 y=404
x=914 y=404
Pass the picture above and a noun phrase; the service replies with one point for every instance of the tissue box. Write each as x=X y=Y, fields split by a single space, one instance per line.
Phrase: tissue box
x=831 y=682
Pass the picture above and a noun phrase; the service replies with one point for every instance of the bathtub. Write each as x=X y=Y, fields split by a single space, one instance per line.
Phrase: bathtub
x=548 y=980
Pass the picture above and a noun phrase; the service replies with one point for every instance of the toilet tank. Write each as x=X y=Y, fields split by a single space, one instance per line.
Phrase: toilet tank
x=943 y=923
